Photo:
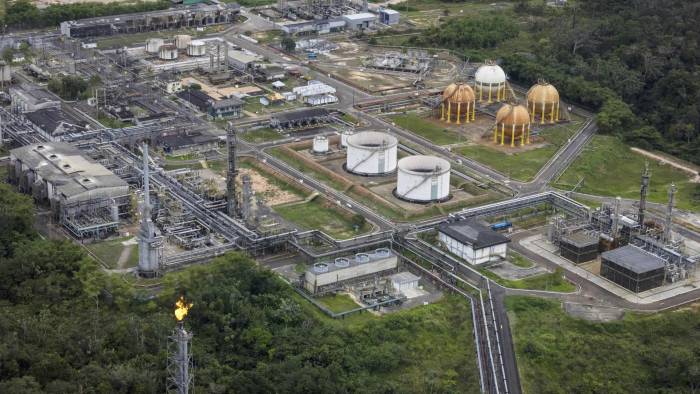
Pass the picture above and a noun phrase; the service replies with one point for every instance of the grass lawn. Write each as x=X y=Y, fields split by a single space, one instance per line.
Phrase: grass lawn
x=305 y=168
x=519 y=260
x=525 y=165
x=426 y=129
x=557 y=353
x=109 y=251
x=553 y=281
x=318 y=214
x=108 y=121
x=338 y=302
x=608 y=167
x=261 y=135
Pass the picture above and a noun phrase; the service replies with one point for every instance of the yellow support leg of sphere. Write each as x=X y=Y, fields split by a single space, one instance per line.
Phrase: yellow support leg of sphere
x=557 y=119
x=528 y=135
x=449 y=110
x=473 y=111
x=551 y=117
x=532 y=117
x=522 y=136
x=503 y=134
x=512 y=137
x=459 y=108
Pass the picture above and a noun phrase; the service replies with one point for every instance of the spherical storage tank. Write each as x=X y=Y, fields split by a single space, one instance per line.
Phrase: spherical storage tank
x=153 y=45
x=543 y=102
x=458 y=101
x=512 y=124
x=320 y=144
x=182 y=41
x=423 y=179
x=371 y=153
x=490 y=82
x=167 y=52
x=197 y=48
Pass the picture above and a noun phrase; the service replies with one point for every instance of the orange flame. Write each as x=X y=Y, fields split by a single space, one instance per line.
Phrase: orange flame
x=181 y=308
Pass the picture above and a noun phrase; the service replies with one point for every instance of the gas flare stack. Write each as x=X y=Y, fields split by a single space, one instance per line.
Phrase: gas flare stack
x=180 y=370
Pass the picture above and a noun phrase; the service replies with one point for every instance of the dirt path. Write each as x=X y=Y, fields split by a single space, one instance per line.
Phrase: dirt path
x=124 y=256
x=695 y=176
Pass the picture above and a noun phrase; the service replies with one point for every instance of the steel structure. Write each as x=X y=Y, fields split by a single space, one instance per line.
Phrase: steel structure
x=231 y=173
x=180 y=368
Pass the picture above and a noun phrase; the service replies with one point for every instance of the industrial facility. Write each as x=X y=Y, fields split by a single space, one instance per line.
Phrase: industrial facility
x=83 y=195
x=174 y=18
x=390 y=174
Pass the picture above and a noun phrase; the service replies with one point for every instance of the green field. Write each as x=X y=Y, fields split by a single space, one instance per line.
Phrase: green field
x=519 y=260
x=305 y=168
x=525 y=165
x=319 y=215
x=556 y=353
x=109 y=251
x=427 y=129
x=608 y=167
x=338 y=303
x=258 y=136
x=553 y=281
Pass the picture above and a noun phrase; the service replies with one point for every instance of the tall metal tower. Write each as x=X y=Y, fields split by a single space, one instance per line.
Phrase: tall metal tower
x=180 y=369
x=643 y=192
x=232 y=200
x=149 y=241
x=246 y=204
x=668 y=235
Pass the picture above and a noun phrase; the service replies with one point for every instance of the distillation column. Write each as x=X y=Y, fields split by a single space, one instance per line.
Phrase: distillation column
x=149 y=241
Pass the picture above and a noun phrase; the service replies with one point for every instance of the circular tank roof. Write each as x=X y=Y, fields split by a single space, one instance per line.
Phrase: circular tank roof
x=372 y=140
x=510 y=115
x=458 y=93
x=543 y=92
x=423 y=165
x=490 y=73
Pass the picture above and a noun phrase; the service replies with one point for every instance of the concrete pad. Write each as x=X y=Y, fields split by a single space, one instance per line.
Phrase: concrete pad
x=593 y=312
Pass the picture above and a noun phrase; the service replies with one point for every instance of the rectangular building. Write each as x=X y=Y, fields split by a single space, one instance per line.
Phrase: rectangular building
x=216 y=109
x=579 y=247
x=633 y=268
x=473 y=242
x=331 y=275
x=53 y=123
x=173 y=18
x=360 y=21
x=388 y=16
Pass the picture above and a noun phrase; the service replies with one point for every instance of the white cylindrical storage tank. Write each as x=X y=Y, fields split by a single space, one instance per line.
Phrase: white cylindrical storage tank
x=371 y=153
x=182 y=41
x=344 y=138
x=423 y=179
x=490 y=82
x=153 y=45
x=320 y=144
x=167 y=52
x=197 y=48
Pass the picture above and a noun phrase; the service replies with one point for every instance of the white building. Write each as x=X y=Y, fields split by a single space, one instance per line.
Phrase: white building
x=362 y=20
x=473 y=242
x=330 y=275
x=404 y=281
x=388 y=16
x=316 y=93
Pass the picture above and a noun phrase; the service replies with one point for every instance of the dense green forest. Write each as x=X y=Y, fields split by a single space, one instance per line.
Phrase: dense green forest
x=69 y=327
x=636 y=62
x=557 y=353
x=24 y=14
